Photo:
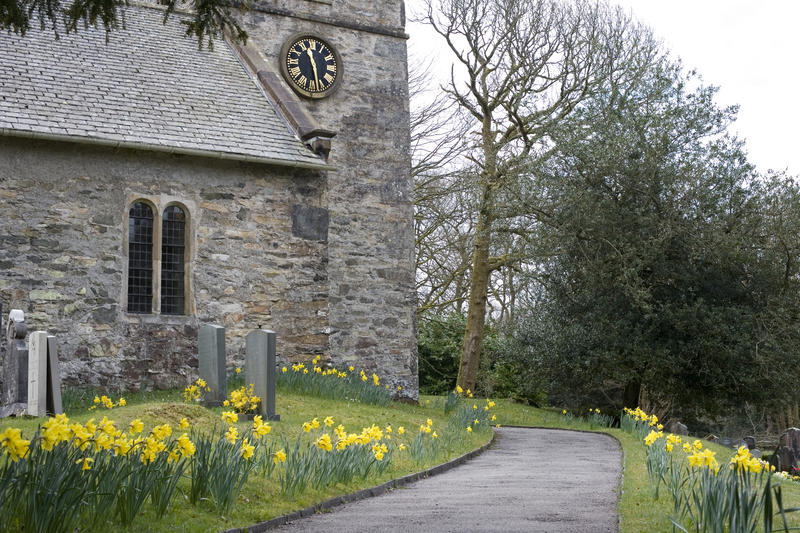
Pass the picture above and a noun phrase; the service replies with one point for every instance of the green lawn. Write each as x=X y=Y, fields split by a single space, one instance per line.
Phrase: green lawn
x=261 y=498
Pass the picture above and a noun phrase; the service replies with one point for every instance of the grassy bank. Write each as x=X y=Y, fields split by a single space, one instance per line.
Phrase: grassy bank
x=261 y=497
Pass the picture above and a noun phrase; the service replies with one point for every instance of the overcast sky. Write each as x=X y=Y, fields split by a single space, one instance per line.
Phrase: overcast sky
x=747 y=48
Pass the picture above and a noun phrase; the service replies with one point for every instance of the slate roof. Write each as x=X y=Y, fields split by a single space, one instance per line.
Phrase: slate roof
x=149 y=87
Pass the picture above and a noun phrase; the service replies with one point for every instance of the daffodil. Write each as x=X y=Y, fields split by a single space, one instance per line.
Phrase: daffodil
x=232 y=434
x=185 y=446
x=324 y=442
x=280 y=456
x=247 y=449
x=136 y=426
x=184 y=423
x=13 y=443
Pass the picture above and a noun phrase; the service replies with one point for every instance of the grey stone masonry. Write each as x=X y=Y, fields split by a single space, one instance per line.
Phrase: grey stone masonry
x=247 y=268
x=260 y=369
x=211 y=356
x=369 y=197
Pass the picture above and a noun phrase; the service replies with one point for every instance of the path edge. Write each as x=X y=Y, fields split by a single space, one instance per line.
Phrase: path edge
x=365 y=493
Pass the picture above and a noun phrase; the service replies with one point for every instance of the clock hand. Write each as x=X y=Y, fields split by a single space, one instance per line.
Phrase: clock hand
x=313 y=65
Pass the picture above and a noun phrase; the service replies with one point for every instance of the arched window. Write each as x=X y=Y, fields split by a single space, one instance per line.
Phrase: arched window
x=140 y=258
x=173 y=250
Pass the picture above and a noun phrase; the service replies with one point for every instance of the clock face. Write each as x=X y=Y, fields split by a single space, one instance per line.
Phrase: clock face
x=311 y=66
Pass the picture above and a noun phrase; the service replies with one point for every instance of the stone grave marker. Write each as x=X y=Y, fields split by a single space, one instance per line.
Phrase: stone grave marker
x=750 y=441
x=260 y=369
x=15 y=361
x=54 y=406
x=37 y=373
x=211 y=363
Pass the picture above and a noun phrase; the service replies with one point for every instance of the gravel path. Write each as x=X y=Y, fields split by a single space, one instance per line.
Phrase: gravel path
x=530 y=480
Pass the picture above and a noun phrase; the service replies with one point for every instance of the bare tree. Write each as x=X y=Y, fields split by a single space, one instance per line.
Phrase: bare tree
x=442 y=198
x=521 y=68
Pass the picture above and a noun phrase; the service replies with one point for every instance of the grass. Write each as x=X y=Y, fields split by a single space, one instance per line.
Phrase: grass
x=261 y=499
x=637 y=509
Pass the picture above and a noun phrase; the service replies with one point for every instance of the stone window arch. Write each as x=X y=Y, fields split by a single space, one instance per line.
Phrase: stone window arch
x=159 y=247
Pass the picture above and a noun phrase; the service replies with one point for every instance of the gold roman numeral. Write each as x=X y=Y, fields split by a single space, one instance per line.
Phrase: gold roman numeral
x=302 y=80
x=332 y=68
x=294 y=71
x=293 y=61
x=327 y=77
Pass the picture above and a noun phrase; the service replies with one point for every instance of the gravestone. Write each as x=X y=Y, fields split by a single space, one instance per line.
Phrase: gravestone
x=755 y=452
x=676 y=428
x=54 y=406
x=783 y=459
x=727 y=442
x=15 y=361
x=260 y=369
x=37 y=373
x=751 y=442
x=211 y=363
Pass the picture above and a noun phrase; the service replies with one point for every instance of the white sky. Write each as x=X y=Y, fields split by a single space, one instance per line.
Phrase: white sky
x=749 y=49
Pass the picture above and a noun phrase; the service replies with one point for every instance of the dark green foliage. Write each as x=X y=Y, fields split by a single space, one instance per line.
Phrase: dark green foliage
x=504 y=372
x=674 y=267
x=211 y=18
x=439 y=345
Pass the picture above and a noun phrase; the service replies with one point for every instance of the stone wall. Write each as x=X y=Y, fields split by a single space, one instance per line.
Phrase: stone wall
x=371 y=240
x=63 y=211
x=259 y=257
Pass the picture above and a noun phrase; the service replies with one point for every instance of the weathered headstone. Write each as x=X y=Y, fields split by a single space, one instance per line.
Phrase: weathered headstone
x=755 y=452
x=784 y=459
x=15 y=363
x=211 y=363
x=53 y=403
x=751 y=442
x=37 y=373
x=260 y=369
x=726 y=441
x=676 y=428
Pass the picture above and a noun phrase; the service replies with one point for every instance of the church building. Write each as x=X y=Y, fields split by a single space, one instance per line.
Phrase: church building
x=149 y=186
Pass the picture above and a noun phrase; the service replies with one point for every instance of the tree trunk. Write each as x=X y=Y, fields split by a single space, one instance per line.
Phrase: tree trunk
x=479 y=287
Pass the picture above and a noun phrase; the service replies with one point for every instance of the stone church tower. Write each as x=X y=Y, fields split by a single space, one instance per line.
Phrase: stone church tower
x=259 y=185
x=369 y=195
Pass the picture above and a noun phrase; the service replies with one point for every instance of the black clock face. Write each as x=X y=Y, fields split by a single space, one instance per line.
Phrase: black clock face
x=311 y=66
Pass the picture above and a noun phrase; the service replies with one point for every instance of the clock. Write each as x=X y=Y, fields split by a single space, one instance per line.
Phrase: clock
x=311 y=66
